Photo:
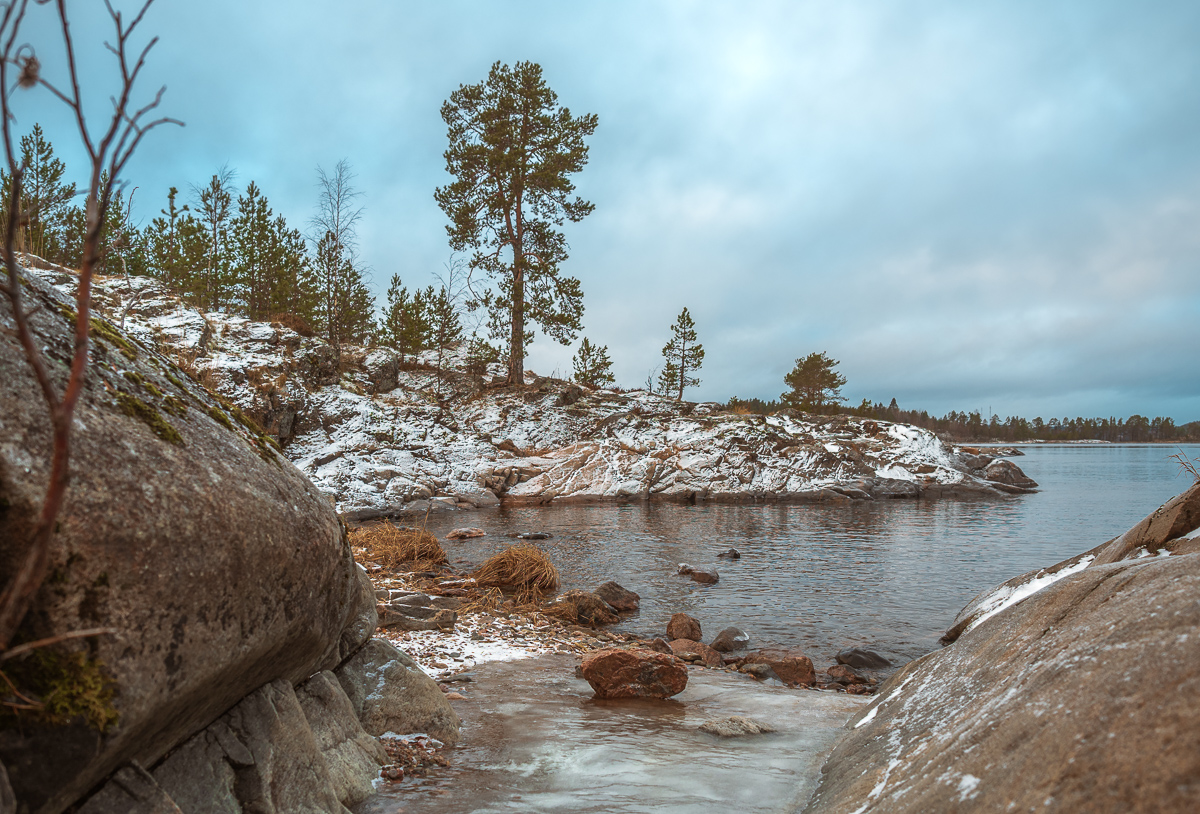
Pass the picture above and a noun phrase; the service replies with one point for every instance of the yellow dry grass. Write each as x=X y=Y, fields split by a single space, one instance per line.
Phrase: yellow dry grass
x=391 y=547
x=523 y=567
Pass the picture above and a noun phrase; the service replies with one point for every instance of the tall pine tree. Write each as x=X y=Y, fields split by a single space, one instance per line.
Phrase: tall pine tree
x=682 y=356
x=592 y=366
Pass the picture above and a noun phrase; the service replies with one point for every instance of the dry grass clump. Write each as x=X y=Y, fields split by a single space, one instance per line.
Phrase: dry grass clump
x=524 y=567
x=391 y=546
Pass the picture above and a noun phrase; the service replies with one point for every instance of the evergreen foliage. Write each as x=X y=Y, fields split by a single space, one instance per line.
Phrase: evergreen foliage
x=213 y=205
x=445 y=328
x=407 y=322
x=814 y=383
x=592 y=366
x=512 y=148
x=344 y=305
x=682 y=357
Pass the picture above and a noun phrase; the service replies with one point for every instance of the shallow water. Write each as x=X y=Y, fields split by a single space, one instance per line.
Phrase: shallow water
x=888 y=574
x=533 y=739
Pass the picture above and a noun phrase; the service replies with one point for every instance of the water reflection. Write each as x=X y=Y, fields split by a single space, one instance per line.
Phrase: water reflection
x=888 y=574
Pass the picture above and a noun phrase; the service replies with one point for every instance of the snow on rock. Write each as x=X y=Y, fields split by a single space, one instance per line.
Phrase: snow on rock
x=385 y=437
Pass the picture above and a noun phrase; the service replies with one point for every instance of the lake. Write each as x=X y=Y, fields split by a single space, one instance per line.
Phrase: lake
x=889 y=575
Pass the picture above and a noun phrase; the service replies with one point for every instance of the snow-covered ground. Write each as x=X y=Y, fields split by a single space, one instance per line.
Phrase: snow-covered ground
x=378 y=440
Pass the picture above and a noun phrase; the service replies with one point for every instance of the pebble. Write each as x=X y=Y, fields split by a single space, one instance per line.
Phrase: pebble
x=455 y=696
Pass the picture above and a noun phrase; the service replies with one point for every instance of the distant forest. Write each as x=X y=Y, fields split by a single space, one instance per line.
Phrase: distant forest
x=972 y=427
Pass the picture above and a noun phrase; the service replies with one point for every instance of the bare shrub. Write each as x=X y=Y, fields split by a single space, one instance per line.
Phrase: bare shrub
x=522 y=566
x=391 y=547
x=294 y=322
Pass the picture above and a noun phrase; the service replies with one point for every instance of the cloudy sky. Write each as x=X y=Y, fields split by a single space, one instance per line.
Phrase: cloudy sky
x=985 y=205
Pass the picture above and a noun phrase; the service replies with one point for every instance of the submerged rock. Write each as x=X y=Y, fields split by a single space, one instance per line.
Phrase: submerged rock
x=465 y=534
x=683 y=626
x=634 y=673
x=859 y=657
x=582 y=608
x=731 y=554
x=735 y=726
x=1044 y=704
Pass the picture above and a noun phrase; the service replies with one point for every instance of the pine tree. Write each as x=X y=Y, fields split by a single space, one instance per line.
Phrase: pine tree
x=44 y=197
x=814 y=383
x=445 y=329
x=344 y=311
x=253 y=263
x=682 y=356
x=406 y=322
x=214 y=206
x=592 y=365
x=175 y=247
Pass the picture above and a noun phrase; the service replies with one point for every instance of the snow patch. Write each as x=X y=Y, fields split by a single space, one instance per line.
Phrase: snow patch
x=1007 y=595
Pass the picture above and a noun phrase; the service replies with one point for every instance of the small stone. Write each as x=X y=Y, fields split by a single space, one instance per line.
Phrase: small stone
x=465 y=534
x=731 y=554
x=393 y=773
x=621 y=599
x=735 y=726
x=866 y=659
x=455 y=696
x=730 y=639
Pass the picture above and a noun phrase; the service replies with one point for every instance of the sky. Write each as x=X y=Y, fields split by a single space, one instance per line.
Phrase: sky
x=987 y=206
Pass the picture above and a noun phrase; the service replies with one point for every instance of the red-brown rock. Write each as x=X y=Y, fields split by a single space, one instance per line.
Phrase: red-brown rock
x=634 y=674
x=683 y=626
x=793 y=667
x=621 y=599
x=689 y=650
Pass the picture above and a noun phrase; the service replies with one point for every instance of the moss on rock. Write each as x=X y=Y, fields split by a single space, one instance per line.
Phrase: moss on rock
x=134 y=407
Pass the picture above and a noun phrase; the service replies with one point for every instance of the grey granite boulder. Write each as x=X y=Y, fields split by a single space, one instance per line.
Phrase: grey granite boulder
x=218 y=563
x=352 y=756
x=261 y=756
x=390 y=693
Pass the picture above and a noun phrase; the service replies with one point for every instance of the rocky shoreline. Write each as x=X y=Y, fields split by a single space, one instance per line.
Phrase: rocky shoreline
x=384 y=438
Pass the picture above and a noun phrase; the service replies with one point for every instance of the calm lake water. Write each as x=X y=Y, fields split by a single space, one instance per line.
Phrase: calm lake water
x=890 y=575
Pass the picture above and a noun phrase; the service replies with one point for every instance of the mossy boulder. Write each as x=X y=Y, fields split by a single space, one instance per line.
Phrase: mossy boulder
x=219 y=565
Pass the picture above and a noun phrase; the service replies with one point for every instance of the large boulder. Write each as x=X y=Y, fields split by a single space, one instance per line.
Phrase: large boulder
x=352 y=756
x=1079 y=697
x=390 y=693
x=1009 y=474
x=219 y=565
x=634 y=673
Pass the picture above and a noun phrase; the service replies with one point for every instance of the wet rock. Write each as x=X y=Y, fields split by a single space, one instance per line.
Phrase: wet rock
x=735 y=726
x=689 y=650
x=859 y=657
x=683 y=626
x=465 y=534
x=1008 y=473
x=793 y=667
x=731 y=639
x=401 y=616
x=705 y=576
x=390 y=693
x=634 y=673
x=532 y=535
x=894 y=489
x=621 y=599
x=760 y=671
x=731 y=554
x=859 y=689
x=582 y=608
x=846 y=675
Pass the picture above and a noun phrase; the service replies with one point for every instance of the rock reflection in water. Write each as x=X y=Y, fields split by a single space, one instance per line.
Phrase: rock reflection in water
x=533 y=739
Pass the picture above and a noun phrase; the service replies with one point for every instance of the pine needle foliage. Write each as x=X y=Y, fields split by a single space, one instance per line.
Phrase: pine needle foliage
x=682 y=356
x=592 y=366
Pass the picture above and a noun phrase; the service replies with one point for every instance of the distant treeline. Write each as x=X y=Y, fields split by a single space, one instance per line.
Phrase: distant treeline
x=972 y=426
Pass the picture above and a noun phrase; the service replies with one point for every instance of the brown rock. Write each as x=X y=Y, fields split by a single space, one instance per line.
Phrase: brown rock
x=1047 y=701
x=465 y=534
x=621 y=599
x=705 y=576
x=1007 y=472
x=634 y=674
x=582 y=608
x=689 y=650
x=730 y=639
x=683 y=626
x=660 y=646
x=735 y=726
x=845 y=675
x=793 y=667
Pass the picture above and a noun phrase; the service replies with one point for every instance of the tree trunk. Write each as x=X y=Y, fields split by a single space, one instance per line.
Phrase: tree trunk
x=516 y=348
